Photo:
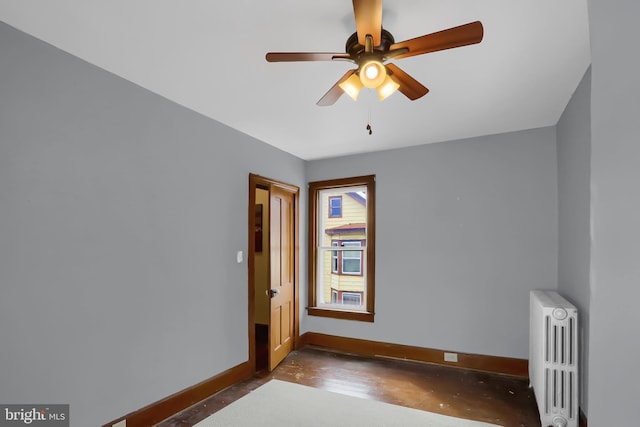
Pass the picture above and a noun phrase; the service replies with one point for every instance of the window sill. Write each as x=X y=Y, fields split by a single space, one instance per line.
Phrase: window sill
x=362 y=316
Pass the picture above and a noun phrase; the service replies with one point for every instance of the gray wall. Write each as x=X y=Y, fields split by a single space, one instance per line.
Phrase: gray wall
x=574 y=185
x=465 y=230
x=120 y=217
x=615 y=212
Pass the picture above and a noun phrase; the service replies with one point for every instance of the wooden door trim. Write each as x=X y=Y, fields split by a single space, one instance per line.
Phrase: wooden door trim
x=255 y=182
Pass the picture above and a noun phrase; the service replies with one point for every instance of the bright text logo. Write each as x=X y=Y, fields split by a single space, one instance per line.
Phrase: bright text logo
x=34 y=415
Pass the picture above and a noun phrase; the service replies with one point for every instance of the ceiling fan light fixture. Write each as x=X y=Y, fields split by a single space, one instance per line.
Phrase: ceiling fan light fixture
x=387 y=88
x=372 y=74
x=370 y=46
x=352 y=86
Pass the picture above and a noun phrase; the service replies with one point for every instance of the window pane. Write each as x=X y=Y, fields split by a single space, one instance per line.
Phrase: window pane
x=351 y=266
x=342 y=219
x=351 y=222
x=350 y=277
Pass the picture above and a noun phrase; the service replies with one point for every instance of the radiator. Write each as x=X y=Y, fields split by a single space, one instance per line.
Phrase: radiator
x=553 y=358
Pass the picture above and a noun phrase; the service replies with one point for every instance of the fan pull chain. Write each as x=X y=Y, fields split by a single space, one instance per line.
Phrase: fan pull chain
x=369 y=128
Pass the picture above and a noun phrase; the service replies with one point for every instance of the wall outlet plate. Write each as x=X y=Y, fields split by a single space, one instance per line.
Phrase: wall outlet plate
x=451 y=357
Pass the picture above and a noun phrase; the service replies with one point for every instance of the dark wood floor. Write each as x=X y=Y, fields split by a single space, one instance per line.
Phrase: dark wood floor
x=497 y=399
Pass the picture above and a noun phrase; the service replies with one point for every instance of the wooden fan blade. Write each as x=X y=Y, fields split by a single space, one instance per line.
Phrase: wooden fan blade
x=335 y=92
x=304 y=56
x=368 y=14
x=410 y=87
x=463 y=35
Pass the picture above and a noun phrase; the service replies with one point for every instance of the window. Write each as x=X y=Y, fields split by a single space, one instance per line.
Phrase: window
x=335 y=207
x=334 y=297
x=342 y=248
x=347 y=262
x=352 y=260
x=351 y=298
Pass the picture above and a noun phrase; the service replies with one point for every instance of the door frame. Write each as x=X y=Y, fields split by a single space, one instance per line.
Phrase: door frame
x=255 y=182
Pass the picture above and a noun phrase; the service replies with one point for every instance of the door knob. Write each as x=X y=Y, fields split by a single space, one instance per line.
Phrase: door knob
x=272 y=292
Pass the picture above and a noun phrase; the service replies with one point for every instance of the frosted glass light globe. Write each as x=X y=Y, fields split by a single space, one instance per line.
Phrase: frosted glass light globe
x=372 y=74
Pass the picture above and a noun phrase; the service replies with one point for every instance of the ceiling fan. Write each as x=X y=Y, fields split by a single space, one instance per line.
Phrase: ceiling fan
x=371 y=46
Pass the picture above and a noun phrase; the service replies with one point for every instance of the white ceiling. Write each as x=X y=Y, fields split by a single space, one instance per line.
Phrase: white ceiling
x=208 y=55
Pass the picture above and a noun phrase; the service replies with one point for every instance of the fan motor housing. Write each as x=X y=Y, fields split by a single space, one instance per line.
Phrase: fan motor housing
x=354 y=48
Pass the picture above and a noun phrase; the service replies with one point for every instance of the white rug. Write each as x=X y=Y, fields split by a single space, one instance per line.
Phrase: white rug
x=284 y=404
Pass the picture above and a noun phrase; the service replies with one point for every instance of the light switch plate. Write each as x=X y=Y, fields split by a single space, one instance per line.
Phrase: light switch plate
x=239 y=257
